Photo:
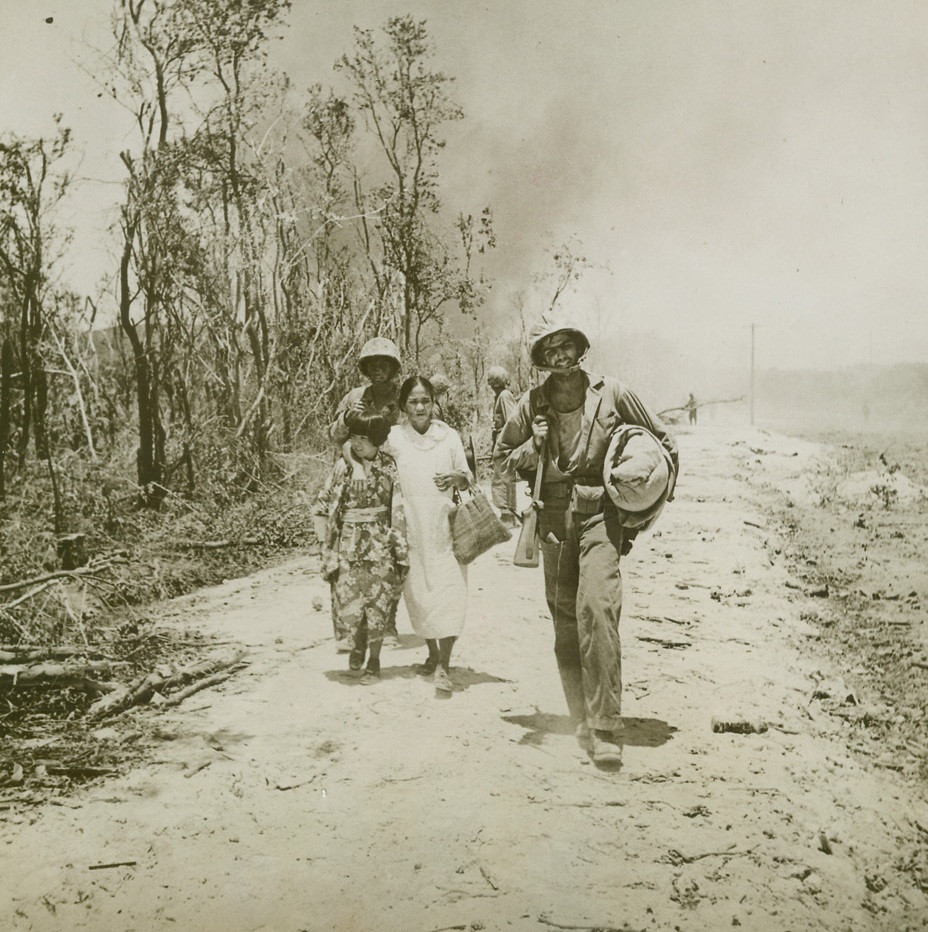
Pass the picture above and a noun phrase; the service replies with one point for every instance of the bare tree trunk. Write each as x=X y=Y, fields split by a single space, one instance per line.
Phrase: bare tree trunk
x=81 y=404
x=150 y=459
x=6 y=391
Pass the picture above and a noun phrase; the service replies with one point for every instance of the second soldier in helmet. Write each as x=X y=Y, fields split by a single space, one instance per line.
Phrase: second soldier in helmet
x=379 y=362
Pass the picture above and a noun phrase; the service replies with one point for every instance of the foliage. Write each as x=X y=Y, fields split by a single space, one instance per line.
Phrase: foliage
x=406 y=104
x=31 y=185
x=253 y=257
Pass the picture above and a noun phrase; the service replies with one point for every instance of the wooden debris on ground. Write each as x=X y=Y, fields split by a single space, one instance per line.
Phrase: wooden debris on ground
x=738 y=726
x=47 y=672
x=163 y=681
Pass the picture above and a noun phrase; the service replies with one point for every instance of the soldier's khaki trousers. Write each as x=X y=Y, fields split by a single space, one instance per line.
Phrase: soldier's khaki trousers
x=583 y=588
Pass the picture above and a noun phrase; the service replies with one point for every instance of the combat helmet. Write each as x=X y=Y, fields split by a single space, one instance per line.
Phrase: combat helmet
x=379 y=348
x=547 y=328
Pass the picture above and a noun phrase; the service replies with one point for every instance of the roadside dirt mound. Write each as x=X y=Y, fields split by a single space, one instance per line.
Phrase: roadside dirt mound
x=291 y=798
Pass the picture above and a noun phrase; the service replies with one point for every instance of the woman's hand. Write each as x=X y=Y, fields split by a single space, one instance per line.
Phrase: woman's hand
x=445 y=480
x=539 y=430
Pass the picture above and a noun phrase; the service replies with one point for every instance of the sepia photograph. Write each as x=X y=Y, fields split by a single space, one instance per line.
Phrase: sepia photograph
x=463 y=466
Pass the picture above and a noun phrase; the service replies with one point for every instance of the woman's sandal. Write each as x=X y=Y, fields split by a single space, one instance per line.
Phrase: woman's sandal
x=427 y=668
x=369 y=678
x=443 y=685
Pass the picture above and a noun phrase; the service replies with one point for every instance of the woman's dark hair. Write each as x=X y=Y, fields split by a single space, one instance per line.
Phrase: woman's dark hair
x=373 y=426
x=410 y=383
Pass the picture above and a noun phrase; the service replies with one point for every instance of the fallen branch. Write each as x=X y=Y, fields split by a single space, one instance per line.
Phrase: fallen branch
x=215 y=544
x=676 y=857
x=488 y=878
x=103 y=867
x=26 y=596
x=24 y=653
x=594 y=928
x=59 y=674
x=57 y=574
x=665 y=642
x=701 y=404
x=283 y=787
x=738 y=726
x=660 y=619
x=145 y=687
x=207 y=681
x=77 y=770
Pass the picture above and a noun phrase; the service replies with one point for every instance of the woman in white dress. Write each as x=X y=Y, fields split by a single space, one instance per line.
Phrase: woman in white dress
x=430 y=462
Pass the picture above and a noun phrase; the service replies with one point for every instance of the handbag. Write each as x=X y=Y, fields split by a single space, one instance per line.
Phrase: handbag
x=475 y=528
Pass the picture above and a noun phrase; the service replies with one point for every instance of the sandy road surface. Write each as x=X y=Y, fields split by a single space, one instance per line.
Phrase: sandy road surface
x=291 y=798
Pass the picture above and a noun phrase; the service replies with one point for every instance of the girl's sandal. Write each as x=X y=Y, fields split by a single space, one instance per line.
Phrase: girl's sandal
x=369 y=678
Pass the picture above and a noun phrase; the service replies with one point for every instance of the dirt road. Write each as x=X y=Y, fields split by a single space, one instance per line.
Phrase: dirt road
x=291 y=798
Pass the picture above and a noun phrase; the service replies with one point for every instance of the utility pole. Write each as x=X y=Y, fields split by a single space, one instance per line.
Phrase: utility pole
x=753 y=327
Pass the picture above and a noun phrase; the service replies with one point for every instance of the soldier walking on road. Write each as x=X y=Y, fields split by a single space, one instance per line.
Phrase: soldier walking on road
x=564 y=426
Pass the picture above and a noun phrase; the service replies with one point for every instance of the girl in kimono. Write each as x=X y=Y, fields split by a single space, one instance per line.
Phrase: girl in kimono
x=360 y=523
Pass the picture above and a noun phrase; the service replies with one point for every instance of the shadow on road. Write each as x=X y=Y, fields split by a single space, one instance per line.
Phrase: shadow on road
x=639 y=732
x=462 y=677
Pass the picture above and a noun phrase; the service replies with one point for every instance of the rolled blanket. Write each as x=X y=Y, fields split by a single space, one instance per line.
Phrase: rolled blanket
x=637 y=474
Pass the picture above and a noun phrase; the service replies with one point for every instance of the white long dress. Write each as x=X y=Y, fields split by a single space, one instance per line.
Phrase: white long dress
x=435 y=590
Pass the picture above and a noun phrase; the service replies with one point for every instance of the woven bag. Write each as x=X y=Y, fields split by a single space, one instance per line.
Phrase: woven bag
x=474 y=526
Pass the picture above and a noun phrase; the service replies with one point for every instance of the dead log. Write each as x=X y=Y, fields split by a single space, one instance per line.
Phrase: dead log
x=215 y=544
x=145 y=687
x=57 y=674
x=72 y=551
x=738 y=726
x=64 y=769
x=26 y=653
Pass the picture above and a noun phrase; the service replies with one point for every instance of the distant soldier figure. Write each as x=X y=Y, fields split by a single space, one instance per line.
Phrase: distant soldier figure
x=691 y=407
x=502 y=490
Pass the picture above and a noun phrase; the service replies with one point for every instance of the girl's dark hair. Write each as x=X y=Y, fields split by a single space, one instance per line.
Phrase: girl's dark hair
x=410 y=383
x=373 y=426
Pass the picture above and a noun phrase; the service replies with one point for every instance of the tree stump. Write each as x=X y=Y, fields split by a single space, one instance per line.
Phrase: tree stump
x=72 y=551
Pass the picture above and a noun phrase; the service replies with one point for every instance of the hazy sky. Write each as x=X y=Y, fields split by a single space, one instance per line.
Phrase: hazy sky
x=730 y=162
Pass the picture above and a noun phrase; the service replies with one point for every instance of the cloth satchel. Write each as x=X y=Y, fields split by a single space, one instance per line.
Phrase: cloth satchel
x=474 y=526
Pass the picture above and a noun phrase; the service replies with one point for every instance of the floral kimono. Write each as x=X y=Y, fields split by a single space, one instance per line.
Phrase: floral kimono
x=364 y=555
